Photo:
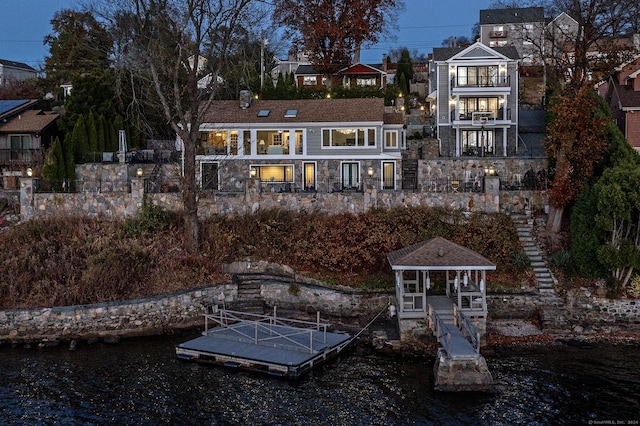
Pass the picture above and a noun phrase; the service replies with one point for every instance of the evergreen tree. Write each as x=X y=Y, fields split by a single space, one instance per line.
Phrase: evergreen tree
x=100 y=133
x=68 y=156
x=92 y=133
x=80 y=144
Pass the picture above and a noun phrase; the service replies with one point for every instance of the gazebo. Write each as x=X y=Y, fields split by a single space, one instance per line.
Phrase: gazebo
x=433 y=268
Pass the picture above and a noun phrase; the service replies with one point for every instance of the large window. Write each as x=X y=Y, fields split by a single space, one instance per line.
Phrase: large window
x=350 y=175
x=309 y=176
x=470 y=105
x=309 y=80
x=368 y=81
x=273 y=142
x=388 y=175
x=349 y=137
x=478 y=142
x=276 y=173
x=478 y=76
x=20 y=147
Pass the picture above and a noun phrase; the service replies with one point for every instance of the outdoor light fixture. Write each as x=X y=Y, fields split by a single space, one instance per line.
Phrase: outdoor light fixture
x=139 y=172
x=29 y=172
x=370 y=171
x=253 y=172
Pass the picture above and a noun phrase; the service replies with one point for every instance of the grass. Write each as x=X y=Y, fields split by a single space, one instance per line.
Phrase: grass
x=77 y=260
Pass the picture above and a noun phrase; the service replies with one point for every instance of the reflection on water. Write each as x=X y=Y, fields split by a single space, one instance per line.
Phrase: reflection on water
x=142 y=382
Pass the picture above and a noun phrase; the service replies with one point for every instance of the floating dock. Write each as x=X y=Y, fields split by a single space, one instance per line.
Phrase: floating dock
x=265 y=343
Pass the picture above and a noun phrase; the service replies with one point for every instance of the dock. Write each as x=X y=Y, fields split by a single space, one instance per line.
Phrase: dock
x=265 y=343
x=459 y=364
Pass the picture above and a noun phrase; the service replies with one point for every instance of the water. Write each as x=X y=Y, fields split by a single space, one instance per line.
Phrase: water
x=140 y=382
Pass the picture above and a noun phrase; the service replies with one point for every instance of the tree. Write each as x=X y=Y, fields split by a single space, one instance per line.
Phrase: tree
x=78 y=45
x=405 y=71
x=333 y=31
x=575 y=141
x=168 y=46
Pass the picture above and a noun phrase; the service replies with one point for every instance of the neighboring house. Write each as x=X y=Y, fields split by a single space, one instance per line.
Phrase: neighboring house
x=477 y=100
x=623 y=96
x=559 y=33
x=15 y=71
x=300 y=145
x=25 y=134
x=522 y=28
x=357 y=75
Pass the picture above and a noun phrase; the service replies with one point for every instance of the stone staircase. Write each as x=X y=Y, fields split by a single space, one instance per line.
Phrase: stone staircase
x=544 y=277
x=249 y=298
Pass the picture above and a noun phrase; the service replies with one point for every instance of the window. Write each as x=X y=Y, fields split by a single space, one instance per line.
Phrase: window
x=368 y=81
x=350 y=175
x=470 y=105
x=277 y=173
x=527 y=31
x=391 y=139
x=349 y=137
x=215 y=143
x=20 y=147
x=478 y=142
x=309 y=81
x=273 y=142
x=263 y=113
x=210 y=177
x=484 y=76
x=233 y=143
x=309 y=176
x=291 y=113
x=388 y=175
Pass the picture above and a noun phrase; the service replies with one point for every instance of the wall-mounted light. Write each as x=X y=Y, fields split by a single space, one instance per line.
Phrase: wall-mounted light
x=29 y=172
x=139 y=172
x=253 y=172
x=370 y=171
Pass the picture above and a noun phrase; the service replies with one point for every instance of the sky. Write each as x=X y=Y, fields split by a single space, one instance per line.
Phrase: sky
x=423 y=25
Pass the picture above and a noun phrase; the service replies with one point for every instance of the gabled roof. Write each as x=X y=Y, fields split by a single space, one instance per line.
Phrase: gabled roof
x=29 y=121
x=360 y=69
x=308 y=111
x=9 y=108
x=17 y=65
x=438 y=254
x=475 y=51
x=511 y=15
x=307 y=70
x=627 y=97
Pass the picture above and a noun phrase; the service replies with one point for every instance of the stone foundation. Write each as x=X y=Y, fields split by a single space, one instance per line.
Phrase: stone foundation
x=456 y=375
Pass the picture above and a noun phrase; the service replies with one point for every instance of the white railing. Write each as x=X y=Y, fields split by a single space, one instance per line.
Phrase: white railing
x=440 y=330
x=465 y=325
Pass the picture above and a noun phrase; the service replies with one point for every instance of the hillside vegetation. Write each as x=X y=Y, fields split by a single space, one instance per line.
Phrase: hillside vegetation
x=69 y=261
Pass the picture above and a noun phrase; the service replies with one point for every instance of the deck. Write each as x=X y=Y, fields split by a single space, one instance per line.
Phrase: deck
x=265 y=343
x=448 y=333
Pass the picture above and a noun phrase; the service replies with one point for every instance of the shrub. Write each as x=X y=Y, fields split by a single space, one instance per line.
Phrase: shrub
x=521 y=261
x=150 y=218
x=633 y=290
x=562 y=260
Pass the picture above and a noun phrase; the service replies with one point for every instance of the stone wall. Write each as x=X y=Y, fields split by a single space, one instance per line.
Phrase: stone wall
x=113 y=191
x=585 y=312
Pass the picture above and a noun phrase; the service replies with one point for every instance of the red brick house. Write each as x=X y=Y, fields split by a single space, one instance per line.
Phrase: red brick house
x=623 y=97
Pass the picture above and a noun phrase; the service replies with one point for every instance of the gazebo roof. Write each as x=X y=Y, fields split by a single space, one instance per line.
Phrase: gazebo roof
x=438 y=254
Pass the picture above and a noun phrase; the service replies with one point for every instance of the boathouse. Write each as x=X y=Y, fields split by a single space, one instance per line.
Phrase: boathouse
x=442 y=285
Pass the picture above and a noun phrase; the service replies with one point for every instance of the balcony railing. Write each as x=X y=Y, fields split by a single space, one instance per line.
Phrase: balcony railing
x=481 y=82
x=468 y=116
x=22 y=157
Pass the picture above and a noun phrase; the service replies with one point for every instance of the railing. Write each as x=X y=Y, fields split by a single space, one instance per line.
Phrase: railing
x=465 y=325
x=265 y=329
x=44 y=186
x=497 y=114
x=440 y=330
x=482 y=82
x=14 y=156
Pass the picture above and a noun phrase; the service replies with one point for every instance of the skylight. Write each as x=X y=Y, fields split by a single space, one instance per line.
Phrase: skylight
x=263 y=113
x=291 y=113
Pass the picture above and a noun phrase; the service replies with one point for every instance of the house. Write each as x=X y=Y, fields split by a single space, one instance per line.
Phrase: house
x=300 y=145
x=15 y=71
x=25 y=134
x=623 y=97
x=357 y=75
x=522 y=28
x=476 y=91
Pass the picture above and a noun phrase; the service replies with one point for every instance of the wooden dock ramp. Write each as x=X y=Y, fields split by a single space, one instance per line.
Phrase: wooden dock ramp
x=278 y=346
x=459 y=364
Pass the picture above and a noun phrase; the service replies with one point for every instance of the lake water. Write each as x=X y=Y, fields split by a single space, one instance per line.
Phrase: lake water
x=141 y=382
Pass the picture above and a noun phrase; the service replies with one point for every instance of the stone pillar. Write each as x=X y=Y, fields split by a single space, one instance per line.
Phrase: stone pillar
x=492 y=193
x=26 y=198
x=137 y=194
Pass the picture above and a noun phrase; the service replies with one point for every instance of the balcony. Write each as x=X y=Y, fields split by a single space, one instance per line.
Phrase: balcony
x=481 y=82
x=491 y=118
x=498 y=34
x=21 y=157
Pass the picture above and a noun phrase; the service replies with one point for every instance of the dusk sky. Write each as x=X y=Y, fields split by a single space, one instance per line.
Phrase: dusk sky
x=422 y=26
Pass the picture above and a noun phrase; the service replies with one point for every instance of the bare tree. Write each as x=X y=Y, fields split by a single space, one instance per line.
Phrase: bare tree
x=167 y=47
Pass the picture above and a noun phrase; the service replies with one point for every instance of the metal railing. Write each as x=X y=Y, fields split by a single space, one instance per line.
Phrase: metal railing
x=440 y=330
x=266 y=329
x=468 y=329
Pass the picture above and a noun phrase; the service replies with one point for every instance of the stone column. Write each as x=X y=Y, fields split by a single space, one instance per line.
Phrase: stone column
x=492 y=193
x=26 y=198
x=137 y=194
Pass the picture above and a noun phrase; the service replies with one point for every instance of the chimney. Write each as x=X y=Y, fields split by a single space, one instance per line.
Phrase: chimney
x=245 y=99
x=356 y=55
x=384 y=62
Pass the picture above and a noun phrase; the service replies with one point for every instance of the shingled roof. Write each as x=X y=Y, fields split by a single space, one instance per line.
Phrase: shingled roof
x=438 y=254
x=307 y=111
x=29 y=121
